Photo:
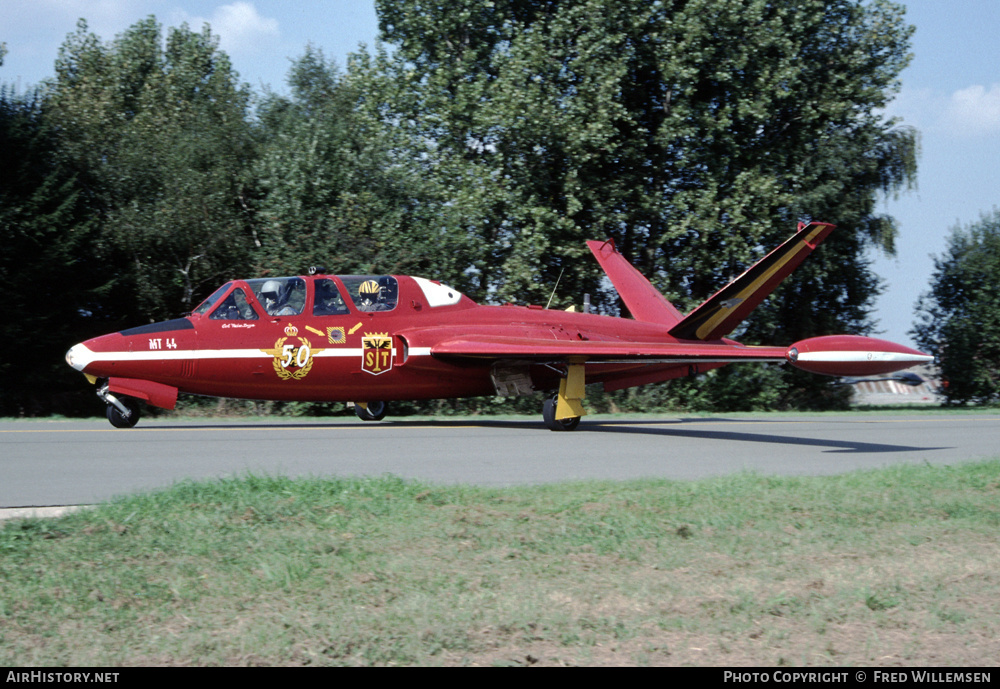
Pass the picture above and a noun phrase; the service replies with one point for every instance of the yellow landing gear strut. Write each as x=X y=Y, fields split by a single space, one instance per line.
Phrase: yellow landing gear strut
x=563 y=412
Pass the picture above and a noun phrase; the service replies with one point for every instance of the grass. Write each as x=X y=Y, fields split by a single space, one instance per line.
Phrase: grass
x=890 y=567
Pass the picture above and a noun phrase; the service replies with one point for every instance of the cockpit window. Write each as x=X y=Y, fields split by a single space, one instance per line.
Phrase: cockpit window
x=328 y=301
x=208 y=303
x=372 y=292
x=235 y=308
x=280 y=296
x=438 y=294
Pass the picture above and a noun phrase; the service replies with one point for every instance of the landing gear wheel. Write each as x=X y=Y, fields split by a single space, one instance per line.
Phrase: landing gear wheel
x=554 y=424
x=375 y=412
x=119 y=420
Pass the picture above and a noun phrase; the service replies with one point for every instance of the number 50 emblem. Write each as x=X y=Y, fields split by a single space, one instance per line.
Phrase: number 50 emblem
x=292 y=361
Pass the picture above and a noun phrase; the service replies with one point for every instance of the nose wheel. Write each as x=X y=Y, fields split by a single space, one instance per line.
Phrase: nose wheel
x=122 y=412
x=126 y=418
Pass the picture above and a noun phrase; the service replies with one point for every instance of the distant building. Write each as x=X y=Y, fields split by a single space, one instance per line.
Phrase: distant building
x=883 y=390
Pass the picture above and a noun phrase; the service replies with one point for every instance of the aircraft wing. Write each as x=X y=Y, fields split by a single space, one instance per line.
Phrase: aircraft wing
x=724 y=310
x=583 y=351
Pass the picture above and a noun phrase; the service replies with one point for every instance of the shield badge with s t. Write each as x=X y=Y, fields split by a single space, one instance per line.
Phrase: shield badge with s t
x=376 y=353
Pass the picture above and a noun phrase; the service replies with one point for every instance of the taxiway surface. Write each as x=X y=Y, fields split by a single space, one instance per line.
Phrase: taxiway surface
x=82 y=462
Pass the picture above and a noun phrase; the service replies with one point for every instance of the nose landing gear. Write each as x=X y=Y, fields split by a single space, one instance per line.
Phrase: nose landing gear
x=122 y=412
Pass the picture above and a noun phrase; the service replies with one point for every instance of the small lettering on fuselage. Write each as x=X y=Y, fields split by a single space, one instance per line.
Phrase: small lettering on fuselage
x=157 y=343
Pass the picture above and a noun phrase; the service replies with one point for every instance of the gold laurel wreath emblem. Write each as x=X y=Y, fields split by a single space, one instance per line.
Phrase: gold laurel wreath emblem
x=282 y=372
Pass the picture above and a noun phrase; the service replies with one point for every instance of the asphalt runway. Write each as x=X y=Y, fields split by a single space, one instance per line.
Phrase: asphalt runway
x=83 y=462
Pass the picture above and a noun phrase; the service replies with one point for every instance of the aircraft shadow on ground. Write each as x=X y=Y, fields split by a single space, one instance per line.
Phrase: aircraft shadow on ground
x=348 y=424
x=836 y=446
x=660 y=427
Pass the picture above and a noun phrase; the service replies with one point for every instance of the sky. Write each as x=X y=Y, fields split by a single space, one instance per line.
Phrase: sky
x=950 y=93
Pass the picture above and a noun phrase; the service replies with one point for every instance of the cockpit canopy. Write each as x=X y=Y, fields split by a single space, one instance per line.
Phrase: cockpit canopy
x=321 y=295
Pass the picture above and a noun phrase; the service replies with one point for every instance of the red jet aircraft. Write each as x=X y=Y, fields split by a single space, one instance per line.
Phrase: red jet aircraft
x=377 y=338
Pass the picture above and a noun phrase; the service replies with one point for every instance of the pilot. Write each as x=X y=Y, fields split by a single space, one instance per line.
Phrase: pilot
x=270 y=293
x=370 y=296
x=328 y=300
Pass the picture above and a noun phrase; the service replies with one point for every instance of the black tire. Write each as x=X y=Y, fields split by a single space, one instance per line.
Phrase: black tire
x=119 y=420
x=554 y=424
x=376 y=411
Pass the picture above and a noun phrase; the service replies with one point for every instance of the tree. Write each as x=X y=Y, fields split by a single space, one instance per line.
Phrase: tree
x=45 y=273
x=695 y=133
x=665 y=125
x=341 y=187
x=160 y=138
x=959 y=318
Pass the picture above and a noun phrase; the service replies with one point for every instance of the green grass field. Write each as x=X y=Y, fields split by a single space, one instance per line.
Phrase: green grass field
x=890 y=567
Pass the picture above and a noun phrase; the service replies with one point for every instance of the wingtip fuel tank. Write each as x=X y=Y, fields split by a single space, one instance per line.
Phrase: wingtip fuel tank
x=853 y=355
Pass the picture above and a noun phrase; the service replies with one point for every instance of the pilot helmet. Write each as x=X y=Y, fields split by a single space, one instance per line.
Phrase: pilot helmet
x=369 y=288
x=270 y=290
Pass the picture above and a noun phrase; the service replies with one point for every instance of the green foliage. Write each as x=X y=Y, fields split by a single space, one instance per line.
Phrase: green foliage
x=272 y=570
x=959 y=318
x=161 y=135
x=694 y=133
x=46 y=263
x=339 y=186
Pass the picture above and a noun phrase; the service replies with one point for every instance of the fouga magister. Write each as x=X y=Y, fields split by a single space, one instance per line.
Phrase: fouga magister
x=373 y=339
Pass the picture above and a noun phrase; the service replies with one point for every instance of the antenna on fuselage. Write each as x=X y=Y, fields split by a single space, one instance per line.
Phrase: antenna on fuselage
x=553 y=295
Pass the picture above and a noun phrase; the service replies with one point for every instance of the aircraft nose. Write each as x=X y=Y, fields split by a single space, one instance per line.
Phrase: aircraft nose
x=78 y=356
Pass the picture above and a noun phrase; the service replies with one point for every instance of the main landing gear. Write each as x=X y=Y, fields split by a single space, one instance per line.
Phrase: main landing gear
x=562 y=411
x=371 y=411
x=554 y=424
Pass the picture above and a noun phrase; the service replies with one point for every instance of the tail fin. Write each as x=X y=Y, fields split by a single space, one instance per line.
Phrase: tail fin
x=643 y=300
x=725 y=309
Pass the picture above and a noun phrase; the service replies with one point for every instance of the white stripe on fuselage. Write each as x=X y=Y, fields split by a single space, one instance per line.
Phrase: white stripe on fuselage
x=83 y=356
